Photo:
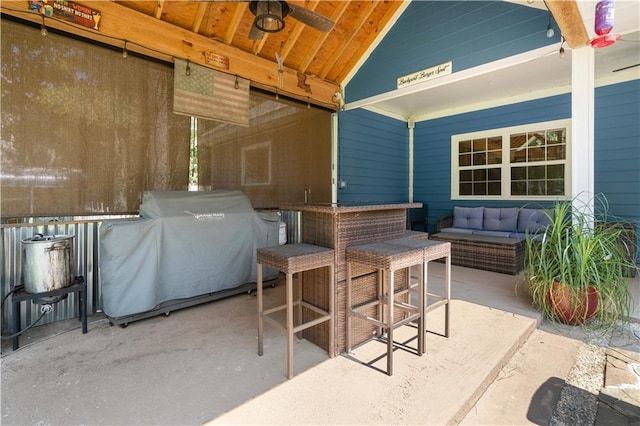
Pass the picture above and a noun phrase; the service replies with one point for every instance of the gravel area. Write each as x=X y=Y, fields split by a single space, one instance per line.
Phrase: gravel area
x=578 y=403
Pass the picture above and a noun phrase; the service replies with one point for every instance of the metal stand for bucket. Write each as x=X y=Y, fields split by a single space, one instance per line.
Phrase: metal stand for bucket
x=49 y=297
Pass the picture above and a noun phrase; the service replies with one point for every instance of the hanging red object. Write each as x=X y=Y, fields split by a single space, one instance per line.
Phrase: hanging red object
x=605 y=11
x=604 y=40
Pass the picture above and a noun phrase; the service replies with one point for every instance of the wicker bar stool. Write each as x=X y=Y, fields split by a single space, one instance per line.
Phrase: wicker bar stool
x=432 y=250
x=387 y=259
x=294 y=259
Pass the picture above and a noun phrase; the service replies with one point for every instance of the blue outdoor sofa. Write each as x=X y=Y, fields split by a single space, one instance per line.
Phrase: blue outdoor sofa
x=492 y=239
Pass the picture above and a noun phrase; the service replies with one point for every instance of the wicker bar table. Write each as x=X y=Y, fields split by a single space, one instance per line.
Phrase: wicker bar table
x=338 y=226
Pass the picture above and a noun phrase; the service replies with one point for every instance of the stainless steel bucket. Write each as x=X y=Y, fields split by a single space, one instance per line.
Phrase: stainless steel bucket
x=47 y=262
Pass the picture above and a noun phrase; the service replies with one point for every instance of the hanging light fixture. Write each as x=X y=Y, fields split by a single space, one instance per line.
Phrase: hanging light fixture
x=269 y=16
x=43 y=28
x=550 y=31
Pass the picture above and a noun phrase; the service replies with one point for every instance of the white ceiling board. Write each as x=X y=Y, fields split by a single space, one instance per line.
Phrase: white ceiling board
x=543 y=76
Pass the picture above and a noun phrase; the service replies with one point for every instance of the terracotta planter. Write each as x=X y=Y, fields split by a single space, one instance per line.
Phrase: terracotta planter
x=572 y=309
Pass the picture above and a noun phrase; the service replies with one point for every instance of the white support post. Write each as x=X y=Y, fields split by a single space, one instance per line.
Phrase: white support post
x=411 y=125
x=582 y=127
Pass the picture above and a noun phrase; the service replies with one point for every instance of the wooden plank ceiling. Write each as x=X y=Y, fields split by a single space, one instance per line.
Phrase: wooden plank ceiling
x=315 y=63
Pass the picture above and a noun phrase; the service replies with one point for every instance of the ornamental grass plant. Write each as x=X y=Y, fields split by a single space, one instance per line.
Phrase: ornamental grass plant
x=581 y=261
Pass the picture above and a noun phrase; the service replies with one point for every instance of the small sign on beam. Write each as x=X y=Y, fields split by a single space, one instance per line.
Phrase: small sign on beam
x=424 y=75
x=216 y=60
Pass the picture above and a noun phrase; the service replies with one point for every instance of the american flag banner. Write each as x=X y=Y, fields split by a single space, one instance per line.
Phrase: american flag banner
x=209 y=94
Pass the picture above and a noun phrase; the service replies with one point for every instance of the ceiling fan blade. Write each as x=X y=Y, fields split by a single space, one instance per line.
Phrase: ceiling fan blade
x=311 y=18
x=255 y=33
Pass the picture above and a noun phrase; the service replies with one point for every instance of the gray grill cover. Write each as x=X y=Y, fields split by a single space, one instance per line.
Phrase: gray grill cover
x=185 y=244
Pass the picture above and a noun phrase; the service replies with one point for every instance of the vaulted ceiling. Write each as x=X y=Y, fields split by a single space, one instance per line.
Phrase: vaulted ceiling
x=329 y=56
x=315 y=63
x=215 y=33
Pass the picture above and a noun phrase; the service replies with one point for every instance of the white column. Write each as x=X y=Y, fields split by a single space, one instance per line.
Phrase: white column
x=411 y=124
x=582 y=126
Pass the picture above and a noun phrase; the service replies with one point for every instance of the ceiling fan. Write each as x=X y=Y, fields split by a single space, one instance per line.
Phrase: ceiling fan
x=270 y=16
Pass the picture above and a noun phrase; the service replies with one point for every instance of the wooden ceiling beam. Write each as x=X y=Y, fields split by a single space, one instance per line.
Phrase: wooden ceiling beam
x=295 y=34
x=311 y=53
x=347 y=39
x=165 y=41
x=199 y=17
x=158 y=11
x=567 y=15
x=241 y=8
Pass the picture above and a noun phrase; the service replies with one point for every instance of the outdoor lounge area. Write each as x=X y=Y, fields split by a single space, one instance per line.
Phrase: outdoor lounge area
x=195 y=367
x=182 y=180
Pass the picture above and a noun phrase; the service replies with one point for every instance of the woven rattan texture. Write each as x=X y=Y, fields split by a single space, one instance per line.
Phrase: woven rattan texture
x=432 y=250
x=507 y=258
x=338 y=230
x=363 y=228
x=416 y=234
x=292 y=258
x=385 y=255
x=349 y=208
x=315 y=288
x=363 y=289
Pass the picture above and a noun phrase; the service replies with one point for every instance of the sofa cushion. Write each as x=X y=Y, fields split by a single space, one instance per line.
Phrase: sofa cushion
x=505 y=234
x=533 y=220
x=500 y=219
x=523 y=235
x=467 y=217
x=457 y=230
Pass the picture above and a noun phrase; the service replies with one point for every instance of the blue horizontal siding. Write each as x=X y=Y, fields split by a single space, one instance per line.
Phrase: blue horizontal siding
x=432 y=148
x=468 y=33
x=617 y=149
x=373 y=158
x=370 y=143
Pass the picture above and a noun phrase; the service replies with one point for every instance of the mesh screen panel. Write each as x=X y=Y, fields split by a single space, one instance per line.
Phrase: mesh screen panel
x=284 y=152
x=84 y=130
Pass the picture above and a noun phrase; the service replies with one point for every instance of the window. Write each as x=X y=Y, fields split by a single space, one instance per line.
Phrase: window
x=524 y=162
x=256 y=164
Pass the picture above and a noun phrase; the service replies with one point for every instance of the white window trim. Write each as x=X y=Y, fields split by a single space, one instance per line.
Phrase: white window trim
x=506 y=165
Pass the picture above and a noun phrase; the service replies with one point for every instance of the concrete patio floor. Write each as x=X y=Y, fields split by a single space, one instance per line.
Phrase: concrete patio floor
x=502 y=365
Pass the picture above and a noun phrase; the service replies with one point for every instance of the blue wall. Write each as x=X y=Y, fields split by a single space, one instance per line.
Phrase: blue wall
x=373 y=157
x=364 y=157
x=468 y=33
x=432 y=158
x=617 y=148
